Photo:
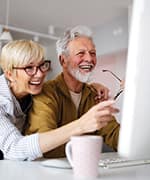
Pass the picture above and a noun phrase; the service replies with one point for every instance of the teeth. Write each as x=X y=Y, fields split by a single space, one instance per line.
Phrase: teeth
x=35 y=82
x=86 y=66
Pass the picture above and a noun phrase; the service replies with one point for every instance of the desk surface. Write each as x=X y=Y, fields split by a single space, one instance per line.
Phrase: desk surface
x=35 y=171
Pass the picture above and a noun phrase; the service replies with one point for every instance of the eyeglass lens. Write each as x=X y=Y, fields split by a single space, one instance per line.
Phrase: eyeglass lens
x=31 y=70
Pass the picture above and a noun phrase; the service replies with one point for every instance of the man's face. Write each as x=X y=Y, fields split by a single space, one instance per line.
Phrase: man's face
x=81 y=59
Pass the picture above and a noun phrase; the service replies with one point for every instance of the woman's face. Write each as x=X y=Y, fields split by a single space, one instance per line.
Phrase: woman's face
x=23 y=83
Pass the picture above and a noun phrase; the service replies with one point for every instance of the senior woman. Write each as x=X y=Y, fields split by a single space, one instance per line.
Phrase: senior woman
x=24 y=68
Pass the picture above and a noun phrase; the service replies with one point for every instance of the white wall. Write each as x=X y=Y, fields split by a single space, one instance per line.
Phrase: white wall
x=112 y=36
x=51 y=54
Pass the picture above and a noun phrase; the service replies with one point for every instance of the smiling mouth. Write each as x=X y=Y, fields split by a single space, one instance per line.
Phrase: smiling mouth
x=35 y=83
x=86 y=67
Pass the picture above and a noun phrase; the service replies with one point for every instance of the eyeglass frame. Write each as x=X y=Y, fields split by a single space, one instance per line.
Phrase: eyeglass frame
x=116 y=77
x=35 y=70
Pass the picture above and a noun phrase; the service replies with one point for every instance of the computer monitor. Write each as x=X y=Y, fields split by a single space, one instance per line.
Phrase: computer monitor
x=134 y=138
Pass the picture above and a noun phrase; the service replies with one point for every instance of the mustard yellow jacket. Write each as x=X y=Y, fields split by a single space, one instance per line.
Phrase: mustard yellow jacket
x=54 y=108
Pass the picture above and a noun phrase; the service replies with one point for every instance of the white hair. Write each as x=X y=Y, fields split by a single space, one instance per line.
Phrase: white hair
x=69 y=35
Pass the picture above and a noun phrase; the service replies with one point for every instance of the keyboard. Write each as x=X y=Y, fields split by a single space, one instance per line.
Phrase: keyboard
x=107 y=161
x=121 y=162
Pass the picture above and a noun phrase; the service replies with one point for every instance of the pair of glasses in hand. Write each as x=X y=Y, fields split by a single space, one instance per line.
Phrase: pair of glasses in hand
x=118 y=93
x=114 y=75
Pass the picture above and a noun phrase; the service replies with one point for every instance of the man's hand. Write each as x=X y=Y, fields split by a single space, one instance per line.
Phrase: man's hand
x=102 y=92
x=122 y=84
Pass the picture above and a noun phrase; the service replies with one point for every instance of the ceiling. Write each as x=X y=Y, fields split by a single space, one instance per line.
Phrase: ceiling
x=38 y=15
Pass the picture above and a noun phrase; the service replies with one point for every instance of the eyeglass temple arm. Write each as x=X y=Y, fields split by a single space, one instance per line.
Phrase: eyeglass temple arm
x=105 y=70
x=116 y=96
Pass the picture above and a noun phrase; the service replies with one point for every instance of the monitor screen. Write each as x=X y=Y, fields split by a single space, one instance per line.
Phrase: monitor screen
x=134 y=138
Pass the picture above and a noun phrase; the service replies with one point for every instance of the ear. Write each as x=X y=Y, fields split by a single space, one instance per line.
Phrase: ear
x=9 y=76
x=62 y=59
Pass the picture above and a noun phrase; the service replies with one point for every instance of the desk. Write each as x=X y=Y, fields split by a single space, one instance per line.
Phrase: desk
x=25 y=170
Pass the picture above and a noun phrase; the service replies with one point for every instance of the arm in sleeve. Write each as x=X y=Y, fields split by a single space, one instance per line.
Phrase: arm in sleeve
x=110 y=133
x=44 y=116
x=13 y=144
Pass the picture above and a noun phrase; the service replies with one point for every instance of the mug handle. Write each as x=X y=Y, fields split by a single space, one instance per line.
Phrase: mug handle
x=68 y=150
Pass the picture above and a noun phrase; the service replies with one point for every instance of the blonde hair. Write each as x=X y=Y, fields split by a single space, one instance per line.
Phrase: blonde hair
x=20 y=53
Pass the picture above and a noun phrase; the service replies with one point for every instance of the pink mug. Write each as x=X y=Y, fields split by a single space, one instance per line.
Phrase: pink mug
x=83 y=153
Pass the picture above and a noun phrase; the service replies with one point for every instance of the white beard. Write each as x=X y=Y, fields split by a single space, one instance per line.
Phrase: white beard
x=80 y=76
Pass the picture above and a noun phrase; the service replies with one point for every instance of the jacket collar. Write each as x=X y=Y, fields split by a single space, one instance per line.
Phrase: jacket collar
x=86 y=90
